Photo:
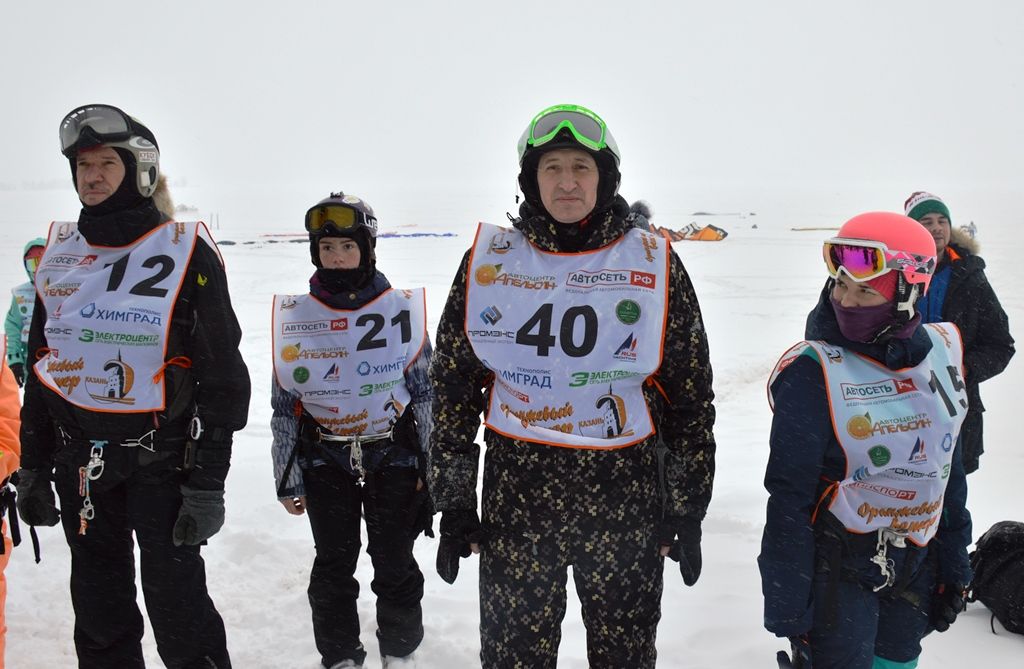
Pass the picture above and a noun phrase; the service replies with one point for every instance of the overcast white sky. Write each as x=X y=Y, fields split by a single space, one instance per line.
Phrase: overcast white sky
x=717 y=103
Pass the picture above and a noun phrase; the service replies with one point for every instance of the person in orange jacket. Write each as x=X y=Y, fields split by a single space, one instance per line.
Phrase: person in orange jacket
x=10 y=458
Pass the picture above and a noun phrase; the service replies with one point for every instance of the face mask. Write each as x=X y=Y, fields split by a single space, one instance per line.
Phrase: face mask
x=863 y=324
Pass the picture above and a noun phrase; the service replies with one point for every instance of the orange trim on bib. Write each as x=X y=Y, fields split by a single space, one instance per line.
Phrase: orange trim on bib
x=177 y=361
x=832 y=487
x=652 y=381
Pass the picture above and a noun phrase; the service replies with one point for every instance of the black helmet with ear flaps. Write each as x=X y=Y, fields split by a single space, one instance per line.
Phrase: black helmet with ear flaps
x=341 y=215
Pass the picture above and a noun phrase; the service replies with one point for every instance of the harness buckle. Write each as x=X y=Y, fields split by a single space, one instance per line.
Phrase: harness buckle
x=146 y=441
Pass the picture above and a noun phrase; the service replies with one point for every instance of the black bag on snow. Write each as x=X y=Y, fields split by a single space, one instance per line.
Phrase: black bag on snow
x=998 y=563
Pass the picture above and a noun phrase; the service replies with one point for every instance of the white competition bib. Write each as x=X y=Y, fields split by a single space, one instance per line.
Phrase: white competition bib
x=897 y=428
x=570 y=337
x=108 y=313
x=349 y=365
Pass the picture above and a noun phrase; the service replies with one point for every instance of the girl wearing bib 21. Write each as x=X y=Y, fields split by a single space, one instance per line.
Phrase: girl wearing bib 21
x=351 y=419
x=865 y=546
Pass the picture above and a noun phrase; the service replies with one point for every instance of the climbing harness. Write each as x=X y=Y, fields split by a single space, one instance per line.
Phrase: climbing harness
x=355 y=442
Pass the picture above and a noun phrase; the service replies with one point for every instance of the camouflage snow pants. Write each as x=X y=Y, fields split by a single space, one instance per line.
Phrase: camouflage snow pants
x=546 y=510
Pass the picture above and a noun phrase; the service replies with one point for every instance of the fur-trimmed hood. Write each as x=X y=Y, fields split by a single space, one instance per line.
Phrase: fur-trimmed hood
x=162 y=198
x=964 y=241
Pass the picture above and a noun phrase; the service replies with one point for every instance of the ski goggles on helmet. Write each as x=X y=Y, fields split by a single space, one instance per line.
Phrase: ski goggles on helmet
x=33 y=258
x=96 y=124
x=863 y=260
x=585 y=126
x=338 y=218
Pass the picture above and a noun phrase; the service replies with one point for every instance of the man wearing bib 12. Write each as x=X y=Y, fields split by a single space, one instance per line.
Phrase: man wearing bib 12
x=351 y=422
x=865 y=546
x=130 y=406
x=580 y=339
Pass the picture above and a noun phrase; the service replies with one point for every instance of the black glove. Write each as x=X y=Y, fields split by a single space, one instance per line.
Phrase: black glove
x=948 y=602
x=459 y=528
x=686 y=548
x=800 y=653
x=36 y=502
x=201 y=516
x=18 y=369
x=421 y=513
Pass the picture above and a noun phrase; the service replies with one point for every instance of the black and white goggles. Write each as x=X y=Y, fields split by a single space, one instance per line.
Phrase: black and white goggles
x=98 y=124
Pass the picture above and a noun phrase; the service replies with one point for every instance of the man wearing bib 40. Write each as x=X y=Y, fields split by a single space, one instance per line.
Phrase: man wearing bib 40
x=580 y=339
x=865 y=545
x=351 y=422
x=136 y=390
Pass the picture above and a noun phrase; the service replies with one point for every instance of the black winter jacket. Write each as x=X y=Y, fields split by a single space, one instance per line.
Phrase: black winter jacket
x=973 y=307
x=684 y=420
x=203 y=329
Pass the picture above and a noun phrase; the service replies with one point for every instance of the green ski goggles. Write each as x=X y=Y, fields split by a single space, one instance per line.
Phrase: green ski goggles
x=586 y=127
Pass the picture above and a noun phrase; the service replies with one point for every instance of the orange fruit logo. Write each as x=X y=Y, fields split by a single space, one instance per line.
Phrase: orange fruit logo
x=290 y=353
x=486 y=274
x=859 y=427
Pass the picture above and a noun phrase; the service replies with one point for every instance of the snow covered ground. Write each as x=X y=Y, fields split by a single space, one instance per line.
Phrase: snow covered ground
x=755 y=290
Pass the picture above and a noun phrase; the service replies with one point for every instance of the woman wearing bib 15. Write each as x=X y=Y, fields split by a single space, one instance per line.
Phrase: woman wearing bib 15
x=865 y=546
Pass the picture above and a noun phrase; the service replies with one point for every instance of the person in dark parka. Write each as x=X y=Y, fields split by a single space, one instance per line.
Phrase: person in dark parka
x=130 y=408
x=960 y=293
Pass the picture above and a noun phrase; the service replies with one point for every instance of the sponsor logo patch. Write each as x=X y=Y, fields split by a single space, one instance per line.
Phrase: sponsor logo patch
x=627 y=311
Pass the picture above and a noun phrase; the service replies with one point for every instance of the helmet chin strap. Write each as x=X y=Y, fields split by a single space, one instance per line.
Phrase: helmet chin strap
x=905 y=307
x=906 y=297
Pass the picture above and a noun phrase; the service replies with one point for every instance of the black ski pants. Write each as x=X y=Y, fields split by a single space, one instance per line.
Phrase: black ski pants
x=145 y=500
x=335 y=503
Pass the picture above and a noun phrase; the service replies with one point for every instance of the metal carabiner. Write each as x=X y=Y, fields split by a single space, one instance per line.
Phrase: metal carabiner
x=88 y=511
x=94 y=469
x=355 y=459
x=886 y=536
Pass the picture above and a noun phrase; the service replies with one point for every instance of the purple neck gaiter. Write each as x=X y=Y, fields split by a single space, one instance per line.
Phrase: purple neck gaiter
x=863 y=324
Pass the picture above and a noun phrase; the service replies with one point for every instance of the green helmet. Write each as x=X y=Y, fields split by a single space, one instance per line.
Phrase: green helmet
x=568 y=127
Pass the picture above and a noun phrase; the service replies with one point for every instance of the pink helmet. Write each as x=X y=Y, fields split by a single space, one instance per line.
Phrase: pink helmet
x=905 y=247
